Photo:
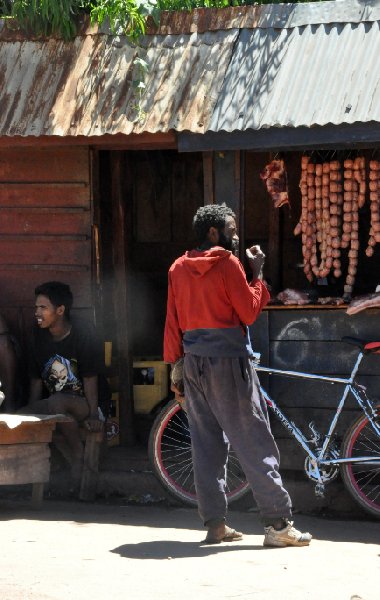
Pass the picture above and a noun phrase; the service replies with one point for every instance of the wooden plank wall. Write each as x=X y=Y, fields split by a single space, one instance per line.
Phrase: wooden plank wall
x=45 y=227
x=310 y=341
x=167 y=189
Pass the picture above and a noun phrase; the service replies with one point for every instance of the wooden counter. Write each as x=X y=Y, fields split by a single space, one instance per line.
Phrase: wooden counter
x=305 y=306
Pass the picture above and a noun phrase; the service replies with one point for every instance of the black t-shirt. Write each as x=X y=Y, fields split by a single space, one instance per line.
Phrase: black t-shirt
x=62 y=364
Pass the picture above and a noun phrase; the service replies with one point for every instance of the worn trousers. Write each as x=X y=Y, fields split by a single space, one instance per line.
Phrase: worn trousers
x=223 y=400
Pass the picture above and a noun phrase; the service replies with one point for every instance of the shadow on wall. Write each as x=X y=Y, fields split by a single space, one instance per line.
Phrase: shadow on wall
x=148 y=307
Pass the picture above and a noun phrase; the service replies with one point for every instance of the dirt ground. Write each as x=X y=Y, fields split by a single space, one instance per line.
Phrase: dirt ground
x=110 y=552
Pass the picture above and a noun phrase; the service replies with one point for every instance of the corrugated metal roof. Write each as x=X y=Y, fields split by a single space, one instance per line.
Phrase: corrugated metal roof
x=278 y=66
x=309 y=75
x=85 y=87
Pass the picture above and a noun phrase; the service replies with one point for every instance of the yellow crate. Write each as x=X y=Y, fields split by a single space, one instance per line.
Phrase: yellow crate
x=150 y=380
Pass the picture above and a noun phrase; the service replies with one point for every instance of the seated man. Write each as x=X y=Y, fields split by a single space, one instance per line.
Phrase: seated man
x=65 y=361
x=8 y=363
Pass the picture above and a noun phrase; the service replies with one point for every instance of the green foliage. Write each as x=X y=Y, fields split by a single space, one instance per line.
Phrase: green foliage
x=129 y=16
x=48 y=16
x=124 y=16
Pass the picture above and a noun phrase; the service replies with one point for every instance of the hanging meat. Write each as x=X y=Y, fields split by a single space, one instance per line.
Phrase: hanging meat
x=374 y=197
x=320 y=217
x=306 y=226
x=354 y=175
x=336 y=210
x=329 y=219
x=276 y=182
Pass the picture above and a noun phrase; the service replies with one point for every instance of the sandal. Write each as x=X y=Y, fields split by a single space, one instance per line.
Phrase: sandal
x=222 y=533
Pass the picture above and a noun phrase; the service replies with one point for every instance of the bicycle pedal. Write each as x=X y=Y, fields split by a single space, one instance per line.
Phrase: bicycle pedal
x=320 y=490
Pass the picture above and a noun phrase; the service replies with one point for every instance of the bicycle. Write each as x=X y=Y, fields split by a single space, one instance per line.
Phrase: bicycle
x=357 y=458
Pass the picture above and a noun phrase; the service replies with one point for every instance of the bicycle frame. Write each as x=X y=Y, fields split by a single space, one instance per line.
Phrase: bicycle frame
x=350 y=387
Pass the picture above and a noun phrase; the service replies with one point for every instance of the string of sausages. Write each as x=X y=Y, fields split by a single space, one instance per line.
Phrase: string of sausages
x=374 y=198
x=331 y=196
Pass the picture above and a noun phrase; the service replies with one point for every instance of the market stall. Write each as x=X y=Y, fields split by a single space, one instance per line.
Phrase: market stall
x=316 y=215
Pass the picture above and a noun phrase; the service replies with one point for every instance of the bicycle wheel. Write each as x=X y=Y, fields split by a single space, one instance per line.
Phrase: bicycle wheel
x=170 y=456
x=362 y=480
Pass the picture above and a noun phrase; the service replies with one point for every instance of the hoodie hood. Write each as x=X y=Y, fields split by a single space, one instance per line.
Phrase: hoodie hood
x=199 y=262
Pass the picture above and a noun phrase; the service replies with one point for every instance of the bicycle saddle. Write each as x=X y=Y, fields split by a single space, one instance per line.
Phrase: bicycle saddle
x=365 y=347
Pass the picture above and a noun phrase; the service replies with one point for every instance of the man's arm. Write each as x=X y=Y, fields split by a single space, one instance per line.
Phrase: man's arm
x=173 y=348
x=90 y=387
x=247 y=300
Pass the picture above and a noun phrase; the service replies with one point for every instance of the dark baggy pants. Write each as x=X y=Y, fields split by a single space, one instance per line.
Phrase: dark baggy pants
x=222 y=395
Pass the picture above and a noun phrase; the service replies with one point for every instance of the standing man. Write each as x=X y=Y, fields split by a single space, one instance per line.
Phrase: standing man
x=209 y=307
x=65 y=361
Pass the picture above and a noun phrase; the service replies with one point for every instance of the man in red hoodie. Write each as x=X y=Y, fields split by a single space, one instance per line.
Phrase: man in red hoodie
x=210 y=305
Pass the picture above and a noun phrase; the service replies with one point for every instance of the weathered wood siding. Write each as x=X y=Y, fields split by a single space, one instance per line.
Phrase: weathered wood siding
x=309 y=340
x=45 y=226
x=162 y=191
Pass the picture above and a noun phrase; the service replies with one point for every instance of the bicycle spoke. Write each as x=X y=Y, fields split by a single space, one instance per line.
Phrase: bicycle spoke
x=171 y=438
x=363 y=478
x=369 y=444
x=171 y=449
x=180 y=468
x=366 y=480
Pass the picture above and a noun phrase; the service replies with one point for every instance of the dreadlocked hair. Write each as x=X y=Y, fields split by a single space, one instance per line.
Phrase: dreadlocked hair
x=211 y=215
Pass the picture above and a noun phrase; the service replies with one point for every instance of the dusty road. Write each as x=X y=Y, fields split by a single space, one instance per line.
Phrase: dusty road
x=112 y=552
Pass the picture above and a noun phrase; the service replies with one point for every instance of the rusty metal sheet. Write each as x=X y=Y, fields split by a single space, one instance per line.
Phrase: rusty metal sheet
x=201 y=20
x=268 y=16
x=84 y=87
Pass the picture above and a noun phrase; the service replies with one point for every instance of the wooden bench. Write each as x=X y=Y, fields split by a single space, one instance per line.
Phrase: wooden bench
x=93 y=442
x=25 y=453
x=25 y=450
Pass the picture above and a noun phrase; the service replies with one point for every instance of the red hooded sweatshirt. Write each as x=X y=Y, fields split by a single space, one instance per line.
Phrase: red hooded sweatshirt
x=210 y=305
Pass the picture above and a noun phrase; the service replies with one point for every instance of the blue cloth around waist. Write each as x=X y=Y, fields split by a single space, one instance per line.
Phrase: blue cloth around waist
x=231 y=342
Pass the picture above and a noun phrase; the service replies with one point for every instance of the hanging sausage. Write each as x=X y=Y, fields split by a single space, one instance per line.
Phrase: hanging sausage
x=353 y=175
x=307 y=175
x=374 y=197
x=330 y=215
x=336 y=209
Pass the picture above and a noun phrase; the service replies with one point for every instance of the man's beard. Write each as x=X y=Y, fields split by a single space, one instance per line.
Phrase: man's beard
x=224 y=241
x=235 y=247
x=228 y=243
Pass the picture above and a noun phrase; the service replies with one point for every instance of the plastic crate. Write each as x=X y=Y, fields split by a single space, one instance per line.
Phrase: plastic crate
x=150 y=384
